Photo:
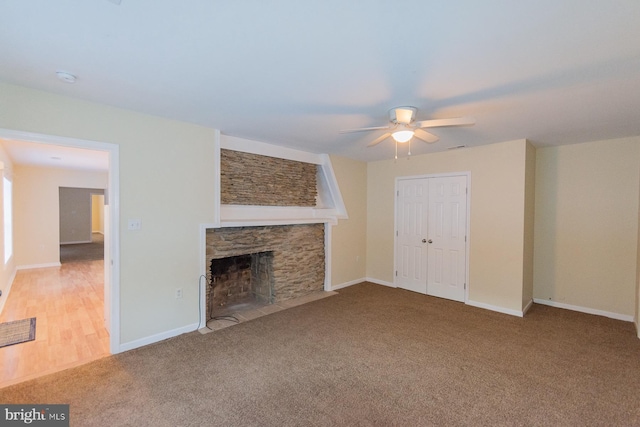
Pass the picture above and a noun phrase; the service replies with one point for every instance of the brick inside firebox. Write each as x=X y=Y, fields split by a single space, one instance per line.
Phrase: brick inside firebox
x=240 y=279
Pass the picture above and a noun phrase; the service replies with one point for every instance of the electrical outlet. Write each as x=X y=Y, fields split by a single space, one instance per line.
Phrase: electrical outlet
x=178 y=293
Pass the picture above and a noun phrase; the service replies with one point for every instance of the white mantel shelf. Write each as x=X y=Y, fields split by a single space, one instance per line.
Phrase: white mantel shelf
x=246 y=216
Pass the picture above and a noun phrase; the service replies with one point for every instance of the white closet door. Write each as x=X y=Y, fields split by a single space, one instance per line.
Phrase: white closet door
x=411 y=249
x=447 y=220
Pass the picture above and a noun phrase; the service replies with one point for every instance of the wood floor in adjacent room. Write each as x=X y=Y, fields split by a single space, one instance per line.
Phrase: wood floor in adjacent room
x=68 y=304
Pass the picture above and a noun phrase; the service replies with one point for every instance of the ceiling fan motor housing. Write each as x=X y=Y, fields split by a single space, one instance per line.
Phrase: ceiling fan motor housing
x=402 y=115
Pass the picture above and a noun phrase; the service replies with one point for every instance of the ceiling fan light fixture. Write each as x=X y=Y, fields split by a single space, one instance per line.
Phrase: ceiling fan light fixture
x=402 y=135
x=402 y=115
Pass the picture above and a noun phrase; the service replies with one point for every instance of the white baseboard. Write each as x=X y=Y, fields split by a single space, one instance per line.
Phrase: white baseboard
x=587 y=310
x=527 y=307
x=76 y=242
x=503 y=310
x=380 y=282
x=347 y=284
x=157 y=337
x=46 y=265
x=365 y=279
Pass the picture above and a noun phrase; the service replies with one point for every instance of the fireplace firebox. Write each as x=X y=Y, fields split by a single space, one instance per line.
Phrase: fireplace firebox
x=262 y=265
x=240 y=279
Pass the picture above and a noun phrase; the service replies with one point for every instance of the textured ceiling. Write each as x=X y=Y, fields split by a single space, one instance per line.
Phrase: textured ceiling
x=294 y=73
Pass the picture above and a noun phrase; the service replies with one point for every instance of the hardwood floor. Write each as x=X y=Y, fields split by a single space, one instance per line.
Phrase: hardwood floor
x=67 y=303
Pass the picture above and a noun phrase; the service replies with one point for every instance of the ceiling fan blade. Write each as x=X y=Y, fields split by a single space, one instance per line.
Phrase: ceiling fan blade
x=365 y=129
x=457 y=121
x=379 y=139
x=425 y=136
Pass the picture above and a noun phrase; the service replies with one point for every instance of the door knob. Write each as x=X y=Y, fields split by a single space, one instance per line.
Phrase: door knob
x=430 y=241
x=424 y=240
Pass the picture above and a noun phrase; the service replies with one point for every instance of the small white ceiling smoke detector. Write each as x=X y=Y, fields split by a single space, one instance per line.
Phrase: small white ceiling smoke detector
x=66 y=77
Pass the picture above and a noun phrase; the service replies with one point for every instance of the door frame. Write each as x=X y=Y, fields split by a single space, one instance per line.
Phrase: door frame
x=112 y=195
x=396 y=190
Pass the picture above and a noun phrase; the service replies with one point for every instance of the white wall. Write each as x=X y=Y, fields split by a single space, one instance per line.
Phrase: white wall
x=165 y=177
x=586 y=225
x=497 y=234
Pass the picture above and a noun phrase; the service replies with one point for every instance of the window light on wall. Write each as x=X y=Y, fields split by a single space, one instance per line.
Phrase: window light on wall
x=8 y=220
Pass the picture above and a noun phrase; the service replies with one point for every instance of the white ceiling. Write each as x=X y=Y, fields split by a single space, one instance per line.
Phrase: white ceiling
x=29 y=153
x=294 y=73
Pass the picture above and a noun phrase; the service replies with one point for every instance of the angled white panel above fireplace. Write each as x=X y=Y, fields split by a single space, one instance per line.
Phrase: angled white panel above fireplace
x=329 y=207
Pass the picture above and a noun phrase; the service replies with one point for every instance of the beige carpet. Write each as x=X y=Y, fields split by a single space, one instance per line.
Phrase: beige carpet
x=370 y=356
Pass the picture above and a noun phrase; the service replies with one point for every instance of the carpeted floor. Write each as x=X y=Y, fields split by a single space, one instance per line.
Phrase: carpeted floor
x=93 y=251
x=369 y=356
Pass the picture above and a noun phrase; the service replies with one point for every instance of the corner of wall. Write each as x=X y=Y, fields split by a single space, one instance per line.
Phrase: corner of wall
x=529 y=219
x=636 y=320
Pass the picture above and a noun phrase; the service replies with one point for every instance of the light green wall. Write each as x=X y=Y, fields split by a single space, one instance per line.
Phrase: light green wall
x=165 y=180
x=497 y=222
x=637 y=296
x=529 y=221
x=586 y=224
x=348 y=238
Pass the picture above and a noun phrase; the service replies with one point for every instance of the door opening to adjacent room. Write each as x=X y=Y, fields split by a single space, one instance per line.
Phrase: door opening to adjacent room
x=97 y=301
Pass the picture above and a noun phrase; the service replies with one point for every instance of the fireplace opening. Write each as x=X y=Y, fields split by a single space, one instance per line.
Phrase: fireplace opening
x=240 y=282
x=285 y=262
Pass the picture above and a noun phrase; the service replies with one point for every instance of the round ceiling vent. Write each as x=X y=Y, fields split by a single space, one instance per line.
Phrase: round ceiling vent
x=66 y=77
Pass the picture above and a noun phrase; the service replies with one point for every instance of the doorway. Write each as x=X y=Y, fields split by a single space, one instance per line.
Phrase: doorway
x=110 y=219
x=431 y=235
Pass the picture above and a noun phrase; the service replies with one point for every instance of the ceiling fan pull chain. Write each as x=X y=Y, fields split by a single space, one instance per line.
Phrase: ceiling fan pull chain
x=396 y=150
x=408 y=157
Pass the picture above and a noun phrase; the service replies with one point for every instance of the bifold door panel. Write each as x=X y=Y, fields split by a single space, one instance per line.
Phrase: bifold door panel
x=431 y=236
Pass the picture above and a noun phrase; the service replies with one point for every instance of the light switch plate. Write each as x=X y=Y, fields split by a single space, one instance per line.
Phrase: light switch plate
x=134 y=224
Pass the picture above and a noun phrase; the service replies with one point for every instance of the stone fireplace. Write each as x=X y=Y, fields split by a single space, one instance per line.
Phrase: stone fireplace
x=267 y=244
x=264 y=264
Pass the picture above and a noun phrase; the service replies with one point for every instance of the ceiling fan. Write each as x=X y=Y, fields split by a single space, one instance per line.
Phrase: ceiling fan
x=402 y=127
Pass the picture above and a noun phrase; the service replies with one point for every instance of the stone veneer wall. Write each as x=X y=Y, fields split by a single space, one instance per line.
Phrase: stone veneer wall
x=298 y=254
x=252 y=179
